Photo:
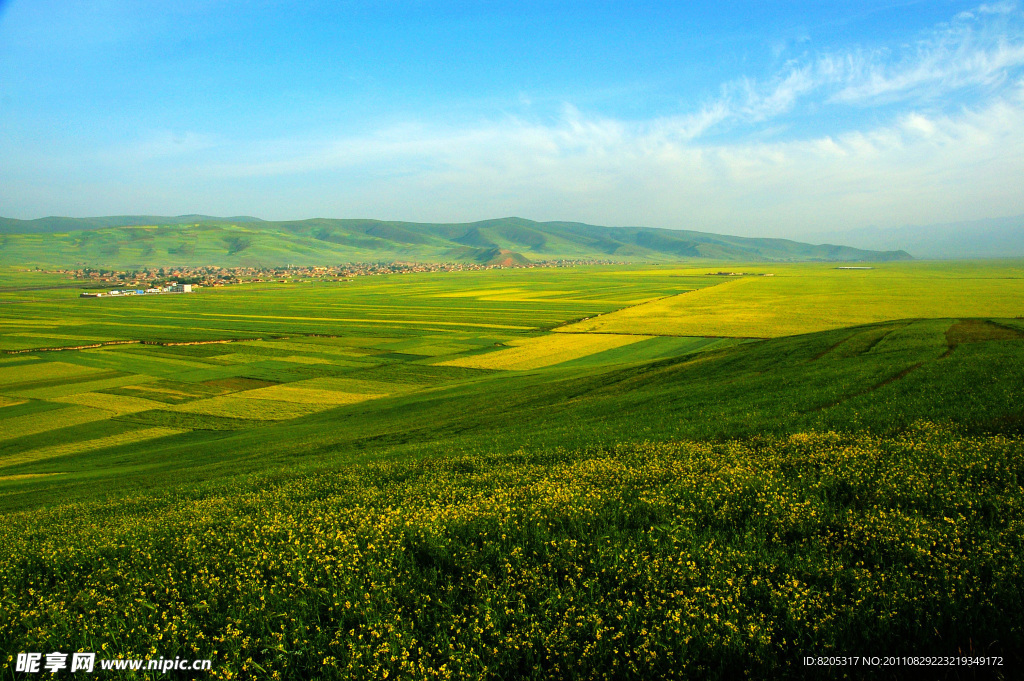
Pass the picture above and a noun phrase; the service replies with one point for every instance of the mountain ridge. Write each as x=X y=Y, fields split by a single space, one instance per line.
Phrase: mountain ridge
x=126 y=241
x=1000 y=237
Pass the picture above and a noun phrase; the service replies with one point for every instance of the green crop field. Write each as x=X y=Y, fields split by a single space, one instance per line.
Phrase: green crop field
x=456 y=305
x=800 y=298
x=591 y=472
x=533 y=353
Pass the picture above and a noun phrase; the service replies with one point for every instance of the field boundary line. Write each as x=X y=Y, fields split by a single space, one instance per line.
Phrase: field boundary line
x=903 y=373
x=72 y=347
x=356 y=320
x=129 y=342
x=658 y=335
x=871 y=345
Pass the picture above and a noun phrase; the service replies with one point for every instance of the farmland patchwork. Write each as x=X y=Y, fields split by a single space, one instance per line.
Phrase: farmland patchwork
x=621 y=472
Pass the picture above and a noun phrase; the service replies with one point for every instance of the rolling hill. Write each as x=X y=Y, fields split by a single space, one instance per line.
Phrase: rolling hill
x=134 y=241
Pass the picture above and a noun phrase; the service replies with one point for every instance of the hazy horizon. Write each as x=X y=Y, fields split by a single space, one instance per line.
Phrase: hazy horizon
x=760 y=120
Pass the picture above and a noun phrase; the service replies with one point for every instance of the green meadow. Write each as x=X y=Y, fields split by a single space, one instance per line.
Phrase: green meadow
x=591 y=472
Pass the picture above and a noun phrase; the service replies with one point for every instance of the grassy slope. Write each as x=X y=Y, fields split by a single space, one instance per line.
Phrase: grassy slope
x=672 y=560
x=115 y=242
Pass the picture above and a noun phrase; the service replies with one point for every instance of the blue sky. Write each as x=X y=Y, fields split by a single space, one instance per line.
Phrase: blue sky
x=757 y=118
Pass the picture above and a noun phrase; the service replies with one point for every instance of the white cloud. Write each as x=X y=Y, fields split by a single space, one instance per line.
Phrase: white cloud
x=997 y=8
x=919 y=168
x=980 y=48
x=972 y=50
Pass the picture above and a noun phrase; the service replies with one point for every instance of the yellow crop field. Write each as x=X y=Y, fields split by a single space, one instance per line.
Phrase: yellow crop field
x=80 y=446
x=59 y=391
x=26 y=476
x=403 y=320
x=159 y=391
x=232 y=358
x=119 y=404
x=304 y=346
x=302 y=395
x=508 y=295
x=9 y=401
x=30 y=424
x=478 y=293
x=806 y=298
x=533 y=353
x=437 y=350
x=42 y=371
x=289 y=400
x=354 y=385
x=60 y=336
x=176 y=362
x=19 y=324
x=239 y=407
x=300 y=359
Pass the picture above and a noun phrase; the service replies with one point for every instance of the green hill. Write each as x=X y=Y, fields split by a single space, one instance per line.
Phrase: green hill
x=136 y=241
x=51 y=225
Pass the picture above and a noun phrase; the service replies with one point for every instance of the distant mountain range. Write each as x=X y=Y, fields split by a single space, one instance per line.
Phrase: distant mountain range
x=53 y=225
x=135 y=241
x=989 y=238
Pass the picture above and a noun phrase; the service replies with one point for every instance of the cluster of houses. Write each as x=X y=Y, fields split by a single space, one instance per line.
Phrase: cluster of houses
x=215 y=276
x=171 y=287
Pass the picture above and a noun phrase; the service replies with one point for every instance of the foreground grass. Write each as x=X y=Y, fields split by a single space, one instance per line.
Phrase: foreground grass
x=668 y=560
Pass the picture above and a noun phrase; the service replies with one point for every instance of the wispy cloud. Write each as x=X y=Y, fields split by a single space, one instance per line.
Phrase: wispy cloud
x=984 y=47
x=968 y=52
